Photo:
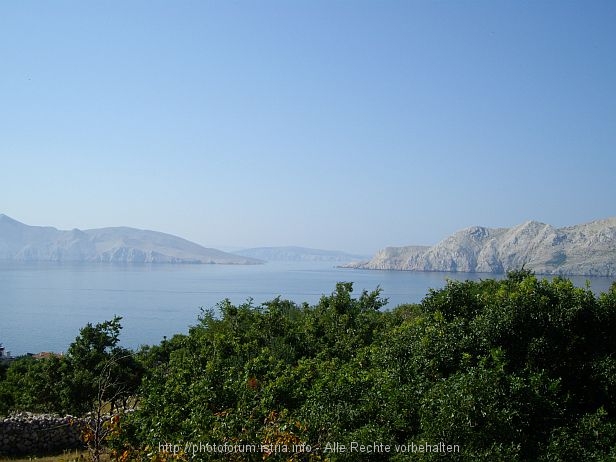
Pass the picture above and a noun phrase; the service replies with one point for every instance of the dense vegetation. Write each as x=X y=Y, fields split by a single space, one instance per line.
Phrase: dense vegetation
x=515 y=369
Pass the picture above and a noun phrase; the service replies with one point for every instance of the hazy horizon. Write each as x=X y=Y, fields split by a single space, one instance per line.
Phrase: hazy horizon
x=331 y=125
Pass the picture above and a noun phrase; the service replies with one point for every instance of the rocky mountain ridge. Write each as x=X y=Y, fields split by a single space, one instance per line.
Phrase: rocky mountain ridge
x=21 y=242
x=294 y=253
x=586 y=249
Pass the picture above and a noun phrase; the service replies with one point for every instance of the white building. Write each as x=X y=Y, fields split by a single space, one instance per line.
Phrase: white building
x=4 y=355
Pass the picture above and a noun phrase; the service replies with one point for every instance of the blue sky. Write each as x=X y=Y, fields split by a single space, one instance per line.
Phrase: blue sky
x=334 y=124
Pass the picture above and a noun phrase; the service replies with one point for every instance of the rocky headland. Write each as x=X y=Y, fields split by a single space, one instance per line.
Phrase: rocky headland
x=587 y=249
x=21 y=242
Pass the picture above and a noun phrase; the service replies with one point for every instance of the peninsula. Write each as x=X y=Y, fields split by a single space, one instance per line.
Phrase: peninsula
x=21 y=242
x=587 y=249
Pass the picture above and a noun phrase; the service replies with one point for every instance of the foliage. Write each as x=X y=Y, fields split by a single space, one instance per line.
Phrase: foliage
x=513 y=369
x=95 y=357
x=71 y=384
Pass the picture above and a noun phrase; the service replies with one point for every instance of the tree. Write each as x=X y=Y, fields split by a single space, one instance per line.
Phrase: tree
x=95 y=355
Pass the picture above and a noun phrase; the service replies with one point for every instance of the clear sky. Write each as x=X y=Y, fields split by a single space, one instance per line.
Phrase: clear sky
x=345 y=125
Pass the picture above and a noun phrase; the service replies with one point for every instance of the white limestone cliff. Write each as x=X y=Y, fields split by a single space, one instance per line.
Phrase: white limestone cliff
x=585 y=249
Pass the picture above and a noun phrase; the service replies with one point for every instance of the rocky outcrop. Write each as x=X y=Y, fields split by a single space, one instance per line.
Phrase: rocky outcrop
x=588 y=249
x=393 y=258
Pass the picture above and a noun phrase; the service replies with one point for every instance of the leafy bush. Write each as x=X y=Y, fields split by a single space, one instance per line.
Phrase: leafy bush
x=514 y=369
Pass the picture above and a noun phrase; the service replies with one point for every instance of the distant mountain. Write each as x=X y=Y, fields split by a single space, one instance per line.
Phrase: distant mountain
x=297 y=254
x=587 y=249
x=20 y=242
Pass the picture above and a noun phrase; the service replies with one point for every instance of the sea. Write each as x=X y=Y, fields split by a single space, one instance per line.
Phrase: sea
x=43 y=305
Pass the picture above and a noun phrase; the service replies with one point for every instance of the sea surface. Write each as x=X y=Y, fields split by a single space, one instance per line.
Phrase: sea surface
x=43 y=305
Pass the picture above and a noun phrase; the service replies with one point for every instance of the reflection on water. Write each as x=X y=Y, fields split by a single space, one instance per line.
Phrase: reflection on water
x=45 y=304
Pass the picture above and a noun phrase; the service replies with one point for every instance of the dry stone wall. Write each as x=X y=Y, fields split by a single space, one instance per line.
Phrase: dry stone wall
x=32 y=434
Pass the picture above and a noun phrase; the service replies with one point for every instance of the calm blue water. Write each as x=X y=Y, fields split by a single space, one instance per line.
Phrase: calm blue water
x=43 y=305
